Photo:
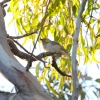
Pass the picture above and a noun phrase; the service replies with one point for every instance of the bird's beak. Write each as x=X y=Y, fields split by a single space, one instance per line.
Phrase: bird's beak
x=41 y=39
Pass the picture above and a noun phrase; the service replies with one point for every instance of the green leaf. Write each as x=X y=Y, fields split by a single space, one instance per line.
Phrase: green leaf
x=63 y=1
x=62 y=82
x=49 y=86
x=98 y=80
x=74 y=8
x=56 y=75
x=95 y=93
x=89 y=7
x=66 y=30
x=37 y=69
x=92 y=34
x=19 y=27
x=97 y=46
x=62 y=19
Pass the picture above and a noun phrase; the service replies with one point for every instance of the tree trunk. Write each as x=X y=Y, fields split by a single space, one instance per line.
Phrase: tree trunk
x=28 y=86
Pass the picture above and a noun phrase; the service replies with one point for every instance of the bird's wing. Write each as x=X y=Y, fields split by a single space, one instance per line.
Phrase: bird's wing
x=55 y=43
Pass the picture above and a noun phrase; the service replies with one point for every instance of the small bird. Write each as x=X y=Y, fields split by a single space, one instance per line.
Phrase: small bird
x=52 y=46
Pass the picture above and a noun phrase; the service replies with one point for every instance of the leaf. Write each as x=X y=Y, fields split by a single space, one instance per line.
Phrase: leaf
x=37 y=69
x=49 y=86
x=74 y=8
x=11 y=21
x=95 y=93
x=62 y=81
x=98 y=80
x=63 y=1
x=25 y=40
x=94 y=58
x=56 y=75
x=92 y=34
x=86 y=77
x=62 y=19
x=19 y=27
x=97 y=46
x=66 y=30
x=89 y=8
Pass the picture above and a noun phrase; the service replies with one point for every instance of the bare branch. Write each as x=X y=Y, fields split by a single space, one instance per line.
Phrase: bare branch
x=42 y=23
x=19 y=37
x=75 y=39
x=56 y=67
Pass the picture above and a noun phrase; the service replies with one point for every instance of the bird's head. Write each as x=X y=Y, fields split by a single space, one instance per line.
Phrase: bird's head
x=44 y=40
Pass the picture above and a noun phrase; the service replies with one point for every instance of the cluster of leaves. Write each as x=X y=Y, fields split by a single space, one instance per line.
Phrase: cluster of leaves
x=59 y=23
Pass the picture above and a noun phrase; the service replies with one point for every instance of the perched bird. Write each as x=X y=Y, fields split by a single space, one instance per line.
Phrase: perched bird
x=52 y=46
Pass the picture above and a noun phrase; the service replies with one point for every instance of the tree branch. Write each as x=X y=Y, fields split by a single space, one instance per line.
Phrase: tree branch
x=75 y=39
x=19 y=37
x=57 y=69
x=25 y=56
x=42 y=23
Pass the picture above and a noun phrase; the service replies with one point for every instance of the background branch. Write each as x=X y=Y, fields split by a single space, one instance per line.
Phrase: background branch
x=42 y=23
x=57 y=69
x=19 y=37
x=75 y=39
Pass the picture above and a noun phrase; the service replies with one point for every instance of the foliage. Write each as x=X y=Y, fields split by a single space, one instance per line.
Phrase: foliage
x=59 y=24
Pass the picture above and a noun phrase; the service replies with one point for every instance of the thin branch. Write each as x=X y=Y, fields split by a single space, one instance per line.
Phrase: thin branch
x=57 y=69
x=19 y=37
x=21 y=46
x=42 y=23
x=97 y=36
x=75 y=39
x=88 y=26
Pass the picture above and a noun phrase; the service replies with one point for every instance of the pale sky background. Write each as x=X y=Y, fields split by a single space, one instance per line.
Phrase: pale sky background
x=90 y=69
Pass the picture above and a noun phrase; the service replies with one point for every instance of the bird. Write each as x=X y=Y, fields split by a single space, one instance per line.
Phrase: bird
x=55 y=47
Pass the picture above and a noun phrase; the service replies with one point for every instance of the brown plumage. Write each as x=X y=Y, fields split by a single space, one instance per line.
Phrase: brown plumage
x=52 y=46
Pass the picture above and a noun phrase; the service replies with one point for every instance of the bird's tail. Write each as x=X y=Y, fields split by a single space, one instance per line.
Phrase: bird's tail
x=67 y=56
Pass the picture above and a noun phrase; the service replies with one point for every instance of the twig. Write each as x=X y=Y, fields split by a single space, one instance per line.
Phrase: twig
x=75 y=39
x=21 y=46
x=89 y=23
x=19 y=37
x=97 y=36
x=56 y=67
x=42 y=23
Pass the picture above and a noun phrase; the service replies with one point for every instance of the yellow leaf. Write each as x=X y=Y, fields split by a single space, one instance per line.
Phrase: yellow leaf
x=49 y=86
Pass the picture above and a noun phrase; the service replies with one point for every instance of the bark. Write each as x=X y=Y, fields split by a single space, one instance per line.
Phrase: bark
x=28 y=86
